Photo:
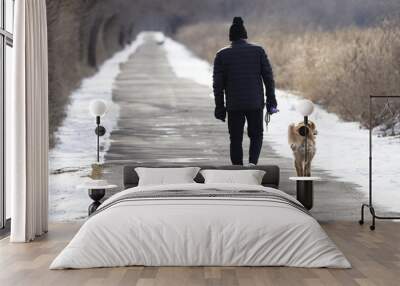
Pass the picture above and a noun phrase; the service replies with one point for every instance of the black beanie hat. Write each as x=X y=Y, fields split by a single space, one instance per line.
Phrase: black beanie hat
x=237 y=30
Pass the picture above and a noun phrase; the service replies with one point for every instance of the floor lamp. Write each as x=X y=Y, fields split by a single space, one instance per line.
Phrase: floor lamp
x=370 y=205
x=97 y=108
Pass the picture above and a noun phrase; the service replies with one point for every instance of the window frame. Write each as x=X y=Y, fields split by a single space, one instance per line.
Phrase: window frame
x=6 y=39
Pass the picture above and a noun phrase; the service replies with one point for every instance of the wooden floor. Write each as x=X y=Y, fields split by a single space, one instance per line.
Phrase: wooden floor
x=375 y=257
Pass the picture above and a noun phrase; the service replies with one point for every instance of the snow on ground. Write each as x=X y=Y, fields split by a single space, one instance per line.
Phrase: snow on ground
x=342 y=146
x=75 y=151
x=186 y=65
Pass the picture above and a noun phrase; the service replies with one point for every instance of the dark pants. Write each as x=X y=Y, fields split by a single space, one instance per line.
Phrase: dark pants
x=236 y=120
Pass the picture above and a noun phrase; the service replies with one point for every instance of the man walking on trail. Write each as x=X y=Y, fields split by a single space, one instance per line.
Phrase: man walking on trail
x=239 y=72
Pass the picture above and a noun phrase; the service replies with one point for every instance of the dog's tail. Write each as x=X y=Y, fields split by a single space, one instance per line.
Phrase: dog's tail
x=291 y=134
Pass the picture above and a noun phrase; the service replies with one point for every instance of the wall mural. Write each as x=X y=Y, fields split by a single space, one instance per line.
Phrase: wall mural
x=151 y=63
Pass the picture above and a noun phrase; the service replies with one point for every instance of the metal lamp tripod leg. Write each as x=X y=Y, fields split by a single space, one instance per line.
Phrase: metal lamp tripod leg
x=372 y=211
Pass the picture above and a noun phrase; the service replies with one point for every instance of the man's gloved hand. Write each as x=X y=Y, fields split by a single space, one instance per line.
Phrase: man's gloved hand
x=220 y=113
x=271 y=109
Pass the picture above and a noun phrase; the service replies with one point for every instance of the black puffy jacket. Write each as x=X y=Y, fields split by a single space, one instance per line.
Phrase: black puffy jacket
x=239 y=72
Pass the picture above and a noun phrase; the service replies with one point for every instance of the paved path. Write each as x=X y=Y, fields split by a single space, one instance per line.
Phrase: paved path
x=168 y=119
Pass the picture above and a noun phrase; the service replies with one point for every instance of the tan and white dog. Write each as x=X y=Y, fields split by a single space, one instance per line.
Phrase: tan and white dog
x=296 y=138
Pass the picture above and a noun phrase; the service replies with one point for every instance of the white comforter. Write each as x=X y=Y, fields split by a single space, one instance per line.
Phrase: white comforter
x=193 y=231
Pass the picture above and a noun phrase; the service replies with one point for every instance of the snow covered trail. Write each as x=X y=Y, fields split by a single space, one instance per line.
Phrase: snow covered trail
x=342 y=146
x=75 y=150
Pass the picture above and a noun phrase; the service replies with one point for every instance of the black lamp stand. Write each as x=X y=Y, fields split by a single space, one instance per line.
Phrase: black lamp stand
x=100 y=131
x=306 y=139
x=370 y=203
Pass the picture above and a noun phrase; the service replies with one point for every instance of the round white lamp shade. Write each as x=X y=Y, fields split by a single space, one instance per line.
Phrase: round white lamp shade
x=98 y=107
x=305 y=107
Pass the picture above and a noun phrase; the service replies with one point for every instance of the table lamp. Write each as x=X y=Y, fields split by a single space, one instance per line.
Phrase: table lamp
x=98 y=108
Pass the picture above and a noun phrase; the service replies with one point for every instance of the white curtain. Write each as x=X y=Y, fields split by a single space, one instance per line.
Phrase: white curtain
x=27 y=124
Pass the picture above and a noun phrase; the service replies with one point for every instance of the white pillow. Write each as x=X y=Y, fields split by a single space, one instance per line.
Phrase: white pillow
x=247 y=177
x=166 y=176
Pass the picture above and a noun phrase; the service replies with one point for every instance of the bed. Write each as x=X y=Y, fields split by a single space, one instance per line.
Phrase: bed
x=199 y=224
